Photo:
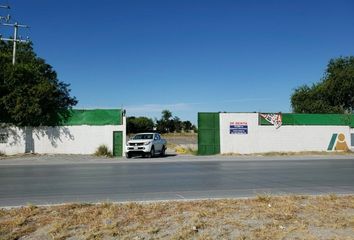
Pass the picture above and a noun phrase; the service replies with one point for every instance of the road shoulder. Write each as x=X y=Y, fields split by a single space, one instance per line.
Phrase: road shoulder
x=59 y=159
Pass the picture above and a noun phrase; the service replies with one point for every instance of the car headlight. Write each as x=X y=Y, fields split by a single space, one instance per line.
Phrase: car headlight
x=147 y=143
x=127 y=144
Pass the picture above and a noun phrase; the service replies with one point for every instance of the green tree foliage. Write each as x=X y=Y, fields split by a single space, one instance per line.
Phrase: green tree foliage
x=30 y=92
x=139 y=124
x=188 y=126
x=177 y=124
x=166 y=124
x=162 y=126
x=334 y=94
x=170 y=124
x=166 y=115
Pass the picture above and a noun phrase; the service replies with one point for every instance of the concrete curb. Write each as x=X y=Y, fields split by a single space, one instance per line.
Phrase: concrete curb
x=172 y=200
x=88 y=159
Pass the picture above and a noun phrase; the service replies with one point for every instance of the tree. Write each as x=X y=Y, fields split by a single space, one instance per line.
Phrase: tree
x=139 y=124
x=169 y=123
x=177 y=124
x=166 y=115
x=30 y=92
x=165 y=124
x=333 y=94
x=194 y=129
x=187 y=126
x=161 y=126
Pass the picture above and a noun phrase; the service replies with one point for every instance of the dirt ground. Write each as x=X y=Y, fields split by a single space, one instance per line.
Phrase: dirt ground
x=263 y=217
x=179 y=138
x=186 y=143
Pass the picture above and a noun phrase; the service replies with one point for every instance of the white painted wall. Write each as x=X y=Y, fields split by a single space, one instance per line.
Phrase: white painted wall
x=61 y=140
x=269 y=139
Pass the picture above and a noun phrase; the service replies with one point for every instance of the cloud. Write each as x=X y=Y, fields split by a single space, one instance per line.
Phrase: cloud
x=245 y=100
x=159 y=107
x=154 y=108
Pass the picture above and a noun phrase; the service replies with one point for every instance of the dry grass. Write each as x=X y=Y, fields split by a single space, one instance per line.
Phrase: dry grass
x=308 y=153
x=103 y=151
x=182 y=143
x=185 y=150
x=19 y=155
x=181 y=138
x=269 y=154
x=263 y=217
x=183 y=134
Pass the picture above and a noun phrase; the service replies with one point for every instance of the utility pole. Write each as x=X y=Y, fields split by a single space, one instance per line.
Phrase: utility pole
x=15 y=40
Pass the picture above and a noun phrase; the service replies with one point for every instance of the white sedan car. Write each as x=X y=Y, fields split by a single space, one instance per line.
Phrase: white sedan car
x=145 y=144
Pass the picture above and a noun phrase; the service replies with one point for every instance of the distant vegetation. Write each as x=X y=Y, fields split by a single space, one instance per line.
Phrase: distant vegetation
x=333 y=94
x=166 y=124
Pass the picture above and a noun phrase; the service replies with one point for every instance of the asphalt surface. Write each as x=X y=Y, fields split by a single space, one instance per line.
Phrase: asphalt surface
x=44 y=182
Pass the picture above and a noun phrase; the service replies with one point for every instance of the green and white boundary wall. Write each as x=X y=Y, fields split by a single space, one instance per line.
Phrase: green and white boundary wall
x=248 y=133
x=82 y=133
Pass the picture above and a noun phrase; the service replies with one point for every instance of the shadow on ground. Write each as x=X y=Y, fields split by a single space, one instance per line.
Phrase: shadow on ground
x=167 y=155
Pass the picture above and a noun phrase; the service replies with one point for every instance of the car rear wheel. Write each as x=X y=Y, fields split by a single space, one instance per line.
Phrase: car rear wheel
x=163 y=151
x=152 y=152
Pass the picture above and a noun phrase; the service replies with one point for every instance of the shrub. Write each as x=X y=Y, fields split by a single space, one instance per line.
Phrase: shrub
x=103 y=150
x=2 y=154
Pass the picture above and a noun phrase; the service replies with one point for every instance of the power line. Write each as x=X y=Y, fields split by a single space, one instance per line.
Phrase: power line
x=6 y=18
x=15 y=38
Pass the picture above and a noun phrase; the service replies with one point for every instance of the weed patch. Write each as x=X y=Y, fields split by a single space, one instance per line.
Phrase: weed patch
x=103 y=151
x=262 y=217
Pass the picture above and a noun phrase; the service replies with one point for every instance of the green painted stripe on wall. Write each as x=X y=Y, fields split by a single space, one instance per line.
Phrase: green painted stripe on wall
x=315 y=119
x=94 y=117
x=331 y=143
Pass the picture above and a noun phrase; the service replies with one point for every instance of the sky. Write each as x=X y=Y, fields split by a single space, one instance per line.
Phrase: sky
x=187 y=56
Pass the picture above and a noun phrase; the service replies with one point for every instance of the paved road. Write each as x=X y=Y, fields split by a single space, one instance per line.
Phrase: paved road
x=160 y=180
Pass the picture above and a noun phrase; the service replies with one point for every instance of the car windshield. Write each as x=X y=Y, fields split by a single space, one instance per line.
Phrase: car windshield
x=143 y=136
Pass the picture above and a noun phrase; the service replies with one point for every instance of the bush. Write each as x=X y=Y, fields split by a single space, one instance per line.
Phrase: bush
x=2 y=154
x=103 y=150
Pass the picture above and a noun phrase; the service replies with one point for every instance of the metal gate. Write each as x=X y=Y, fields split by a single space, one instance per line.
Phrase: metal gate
x=208 y=133
x=117 y=143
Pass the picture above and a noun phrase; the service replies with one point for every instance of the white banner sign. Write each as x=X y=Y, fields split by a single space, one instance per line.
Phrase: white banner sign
x=273 y=118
